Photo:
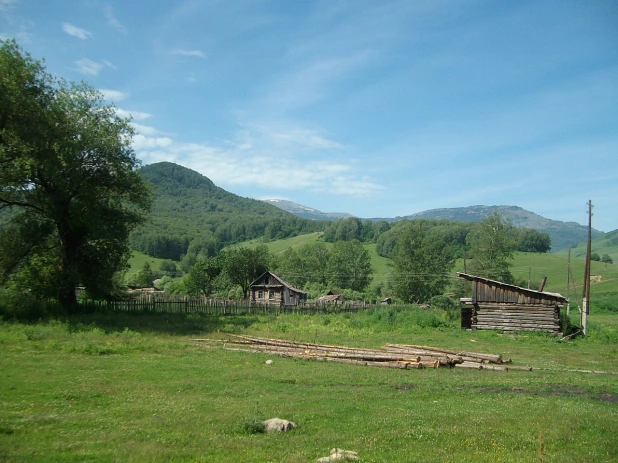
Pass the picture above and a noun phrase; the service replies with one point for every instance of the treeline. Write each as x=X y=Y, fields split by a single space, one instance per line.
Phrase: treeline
x=192 y=216
x=454 y=234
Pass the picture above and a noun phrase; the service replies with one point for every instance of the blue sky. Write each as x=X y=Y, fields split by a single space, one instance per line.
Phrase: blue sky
x=376 y=108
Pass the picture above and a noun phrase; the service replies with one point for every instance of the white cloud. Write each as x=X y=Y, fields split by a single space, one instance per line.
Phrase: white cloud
x=305 y=160
x=145 y=129
x=88 y=67
x=6 y=4
x=76 y=31
x=108 y=64
x=113 y=95
x=195 y=53
x=92 y=68
x=140 y=142
x=112 y=21
x=135 y=115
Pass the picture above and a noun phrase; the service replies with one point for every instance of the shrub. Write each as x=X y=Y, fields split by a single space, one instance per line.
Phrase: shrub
x=444 y=302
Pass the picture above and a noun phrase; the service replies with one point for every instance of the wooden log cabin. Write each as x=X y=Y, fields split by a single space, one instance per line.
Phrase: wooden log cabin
x=500 y=306
x=273 y=290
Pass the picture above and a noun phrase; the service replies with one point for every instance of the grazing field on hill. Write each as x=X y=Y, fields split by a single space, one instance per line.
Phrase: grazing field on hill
x=379 y=264
x=604 y=244
x=133 y=388
x=137 y=261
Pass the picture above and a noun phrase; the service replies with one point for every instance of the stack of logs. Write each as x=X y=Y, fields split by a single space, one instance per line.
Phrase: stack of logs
x=391 y=355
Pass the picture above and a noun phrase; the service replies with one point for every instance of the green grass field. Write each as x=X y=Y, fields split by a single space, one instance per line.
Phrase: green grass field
x=135 y=388
x=137 y=261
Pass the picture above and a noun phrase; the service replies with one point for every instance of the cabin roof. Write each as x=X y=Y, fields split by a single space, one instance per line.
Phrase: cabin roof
x=519 y=289
x=279 y=279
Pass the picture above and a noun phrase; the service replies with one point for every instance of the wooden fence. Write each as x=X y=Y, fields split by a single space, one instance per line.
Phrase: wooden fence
x=208 y=306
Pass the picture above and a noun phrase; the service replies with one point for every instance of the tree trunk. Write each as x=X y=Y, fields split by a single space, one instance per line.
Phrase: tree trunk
x=69 y=245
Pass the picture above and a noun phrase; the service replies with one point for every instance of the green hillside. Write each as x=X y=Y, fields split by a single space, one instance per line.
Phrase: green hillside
x=562 y=234
x=188 y=209
x=604 y=244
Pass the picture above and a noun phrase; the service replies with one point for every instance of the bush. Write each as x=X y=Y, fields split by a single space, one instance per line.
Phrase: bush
x=444 y=302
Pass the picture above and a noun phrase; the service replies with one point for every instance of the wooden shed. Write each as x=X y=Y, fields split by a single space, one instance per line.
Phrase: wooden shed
x=332 y=297
x=500 y=306
x=273 y=290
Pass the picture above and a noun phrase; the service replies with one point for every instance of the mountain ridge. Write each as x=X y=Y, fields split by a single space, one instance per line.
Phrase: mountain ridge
x=562 y=234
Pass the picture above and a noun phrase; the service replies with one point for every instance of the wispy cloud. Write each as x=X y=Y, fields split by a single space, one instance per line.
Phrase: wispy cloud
x=108 y=64
x=76 y=31
x=193 y=53
x=242 y=160
x=91 y=68
x=135 y=115
x=112 y=21
x=141 y=142
x=113 y=95
x=146 y=130
x=88 y=67
x=6 y=4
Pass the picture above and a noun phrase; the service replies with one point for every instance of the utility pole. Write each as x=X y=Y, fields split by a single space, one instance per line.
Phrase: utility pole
x=586 y=294
x=568 y=281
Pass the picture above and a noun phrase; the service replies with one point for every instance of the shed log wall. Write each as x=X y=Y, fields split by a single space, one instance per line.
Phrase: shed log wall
x=499 y=306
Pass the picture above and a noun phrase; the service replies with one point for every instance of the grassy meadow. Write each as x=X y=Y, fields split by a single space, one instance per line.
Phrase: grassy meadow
x=136 y=387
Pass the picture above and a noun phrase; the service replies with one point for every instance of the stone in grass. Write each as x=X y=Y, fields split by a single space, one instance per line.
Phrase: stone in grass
x=268 y=362
x=278 y=425
x=339 y=455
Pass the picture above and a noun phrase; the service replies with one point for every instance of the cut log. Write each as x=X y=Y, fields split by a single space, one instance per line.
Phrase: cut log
x=473 y=365
x=490 y=357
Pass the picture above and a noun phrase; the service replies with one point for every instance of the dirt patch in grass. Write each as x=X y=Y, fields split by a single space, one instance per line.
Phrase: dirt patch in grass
x=557 y=390
x=405 y=387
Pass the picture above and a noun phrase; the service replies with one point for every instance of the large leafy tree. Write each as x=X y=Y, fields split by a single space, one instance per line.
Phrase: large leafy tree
x=349 y=266
x=203 y=275
x=68 y=181
x=307 y=264
x=491 y=248
x=420 y=265
x=243 y=265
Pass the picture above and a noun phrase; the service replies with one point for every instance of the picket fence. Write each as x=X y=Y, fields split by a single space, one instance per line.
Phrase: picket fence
x=211 y=306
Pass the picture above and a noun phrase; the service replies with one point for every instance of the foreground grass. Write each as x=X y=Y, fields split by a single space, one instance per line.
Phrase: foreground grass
x=137 y=388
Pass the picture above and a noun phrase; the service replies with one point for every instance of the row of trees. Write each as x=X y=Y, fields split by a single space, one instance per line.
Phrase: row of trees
x=421 y=264
x=385 y=235
x=354 y=228
x=345 y=265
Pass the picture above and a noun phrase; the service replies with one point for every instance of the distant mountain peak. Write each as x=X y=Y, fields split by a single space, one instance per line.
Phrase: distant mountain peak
x=306 y=212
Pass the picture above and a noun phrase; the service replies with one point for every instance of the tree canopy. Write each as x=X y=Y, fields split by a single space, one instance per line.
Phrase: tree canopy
x=68 y=180
x=420 y=265
x=491 y=249
x=243 y=265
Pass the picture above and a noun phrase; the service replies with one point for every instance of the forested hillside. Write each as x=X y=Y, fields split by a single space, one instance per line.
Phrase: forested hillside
x=562 y=234
x=191 y=215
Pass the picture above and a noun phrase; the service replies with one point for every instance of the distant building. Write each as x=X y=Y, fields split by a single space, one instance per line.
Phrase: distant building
x=332 y=297
x=273 y=290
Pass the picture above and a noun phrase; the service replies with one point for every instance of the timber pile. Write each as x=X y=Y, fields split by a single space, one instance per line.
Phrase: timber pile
x=390 y=356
